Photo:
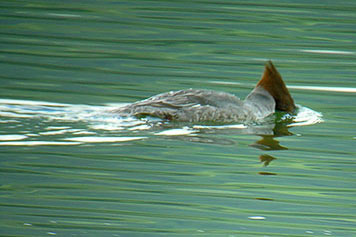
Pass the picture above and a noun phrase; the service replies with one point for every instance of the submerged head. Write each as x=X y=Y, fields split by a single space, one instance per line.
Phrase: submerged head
x=272 y=82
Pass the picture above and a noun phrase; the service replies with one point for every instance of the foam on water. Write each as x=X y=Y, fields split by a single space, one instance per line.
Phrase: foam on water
x=92 y=121
x=38 y=143
x=96 y=139
x=11 y=137
x=305 y=117
x=177 y=132
x=67 y=124
x=233 y=126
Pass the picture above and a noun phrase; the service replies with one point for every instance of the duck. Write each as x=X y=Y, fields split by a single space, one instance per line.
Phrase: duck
x=202 y=105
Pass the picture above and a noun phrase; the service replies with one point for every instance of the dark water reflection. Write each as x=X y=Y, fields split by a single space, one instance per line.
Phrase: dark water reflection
x=268 y=143
x=266 y=159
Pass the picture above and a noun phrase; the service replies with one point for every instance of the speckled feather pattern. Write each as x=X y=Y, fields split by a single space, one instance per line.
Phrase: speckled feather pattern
x=195 y=106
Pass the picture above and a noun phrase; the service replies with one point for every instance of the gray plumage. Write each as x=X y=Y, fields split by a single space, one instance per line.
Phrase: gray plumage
x=202 y=106
x=211 y=106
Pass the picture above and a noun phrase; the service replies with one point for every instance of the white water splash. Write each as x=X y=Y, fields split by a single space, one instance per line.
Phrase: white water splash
x=305 y=117
x=12 y=137
x=233 y=126
x=103 y=139
x=67 y=124
x=38 y=143
x=92 y=120
x=177 y=132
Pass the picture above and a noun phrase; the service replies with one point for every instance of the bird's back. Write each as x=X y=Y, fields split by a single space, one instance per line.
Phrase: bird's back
x=189 y=106
x=207 y=105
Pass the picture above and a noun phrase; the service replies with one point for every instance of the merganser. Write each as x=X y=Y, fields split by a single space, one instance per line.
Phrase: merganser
x=197 y=105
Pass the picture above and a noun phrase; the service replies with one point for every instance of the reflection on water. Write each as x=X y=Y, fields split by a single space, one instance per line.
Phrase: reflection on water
x=268 y=143
x=266 y=159
x=266 y=173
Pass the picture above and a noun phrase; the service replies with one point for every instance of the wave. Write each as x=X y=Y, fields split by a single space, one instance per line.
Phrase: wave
x=37 y=123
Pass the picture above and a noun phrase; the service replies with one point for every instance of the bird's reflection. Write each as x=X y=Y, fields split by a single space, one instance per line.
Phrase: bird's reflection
x=266 y=159
x=268 y=133
x=268 y=143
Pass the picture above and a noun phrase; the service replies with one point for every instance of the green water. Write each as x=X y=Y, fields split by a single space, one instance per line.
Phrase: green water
x=64 y=62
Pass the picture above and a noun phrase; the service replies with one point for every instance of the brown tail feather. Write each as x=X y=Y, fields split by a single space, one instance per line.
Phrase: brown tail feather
x=272 y=82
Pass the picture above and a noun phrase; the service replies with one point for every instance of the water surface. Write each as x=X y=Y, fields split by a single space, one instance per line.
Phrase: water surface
x=69 y=168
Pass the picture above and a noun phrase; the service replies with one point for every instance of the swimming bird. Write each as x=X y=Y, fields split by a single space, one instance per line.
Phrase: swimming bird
x=199 y=105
